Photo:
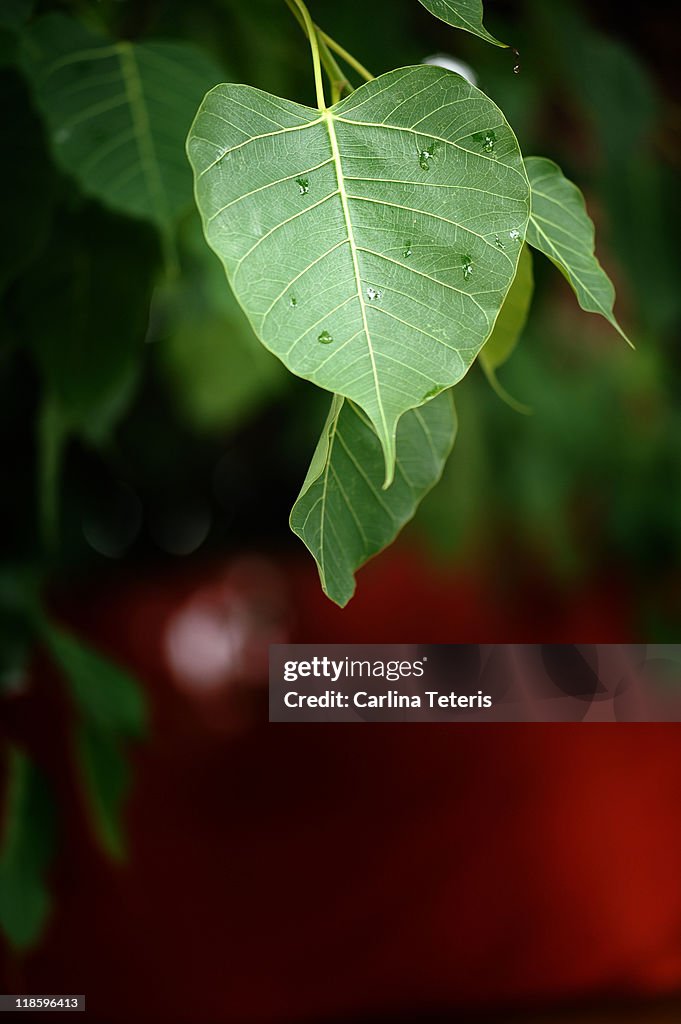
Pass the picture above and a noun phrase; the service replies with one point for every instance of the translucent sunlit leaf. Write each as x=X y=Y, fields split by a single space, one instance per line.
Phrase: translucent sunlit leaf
x=372 y=244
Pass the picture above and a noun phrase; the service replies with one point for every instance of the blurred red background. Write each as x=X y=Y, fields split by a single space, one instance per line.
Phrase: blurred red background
x=306 y=873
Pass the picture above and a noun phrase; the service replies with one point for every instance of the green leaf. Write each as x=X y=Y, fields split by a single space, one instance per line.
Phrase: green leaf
x=106 y=696
x=27 y=849
x=464 y=14
x=341 y=513
x=106 y=774
x=508 y=328
x=118 y=113
x=561 y=228
x=363 y=242
x=513 y=316
x=84 y=307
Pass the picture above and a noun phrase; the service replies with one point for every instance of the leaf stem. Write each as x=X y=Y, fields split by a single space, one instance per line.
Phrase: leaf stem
x=299 y=8
x=501 y=392
x=344 y=55
x=338 y=79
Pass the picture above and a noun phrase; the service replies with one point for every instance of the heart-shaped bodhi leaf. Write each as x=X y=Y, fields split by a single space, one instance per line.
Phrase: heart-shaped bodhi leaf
x=371 y=244
x=561 y=228
x=118 y=113
x=509 y=327
x=465 y=14
x=341 y=513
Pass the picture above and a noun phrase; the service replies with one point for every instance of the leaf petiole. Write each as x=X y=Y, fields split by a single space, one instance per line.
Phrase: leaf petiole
x=303 y=16
x=347 y=57
x=324 y=45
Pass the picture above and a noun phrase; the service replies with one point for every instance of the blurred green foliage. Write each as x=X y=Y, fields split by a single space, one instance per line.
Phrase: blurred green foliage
x=27 y=848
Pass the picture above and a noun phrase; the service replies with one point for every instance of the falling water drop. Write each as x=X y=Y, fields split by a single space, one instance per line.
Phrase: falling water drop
x=373 y=294
x=303 y=185
x=516 y=57
x=325 y=338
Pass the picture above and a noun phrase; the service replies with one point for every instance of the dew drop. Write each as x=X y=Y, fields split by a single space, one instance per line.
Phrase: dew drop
x=304 y=185
x=407 y=251
x=514 y=235
x=325 y=338
x=425 y=156
x=467 y=267
x=489 y=142
x=499 y=244
x=293 y=301
x=373 y=294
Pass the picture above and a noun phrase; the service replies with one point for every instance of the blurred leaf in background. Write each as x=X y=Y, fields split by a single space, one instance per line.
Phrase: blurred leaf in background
x=118 y=113
x=83 y=310
x=110 y=712
x=28 y=843
x=107 y=778
x=103 y=693
x=216 y=368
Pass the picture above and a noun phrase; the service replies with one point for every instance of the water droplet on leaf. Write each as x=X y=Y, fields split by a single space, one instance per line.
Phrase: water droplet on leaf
x=467 y=267
x=425 y=156
x=304 y=185
x=325 y=338
x=407 y=251
x=499 y=244
x=489 y=142
x=373 y=294
x=293 y=301
x=514 y=235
